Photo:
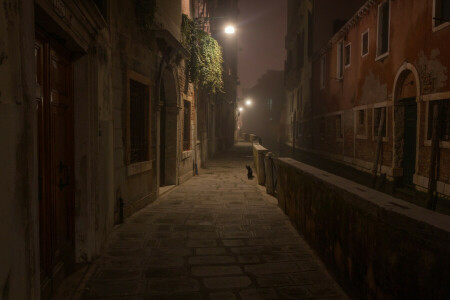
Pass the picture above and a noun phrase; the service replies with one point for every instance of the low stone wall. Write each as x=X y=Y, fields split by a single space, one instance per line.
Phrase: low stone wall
x=269 y=170
x=259 y=153
x=377 y=246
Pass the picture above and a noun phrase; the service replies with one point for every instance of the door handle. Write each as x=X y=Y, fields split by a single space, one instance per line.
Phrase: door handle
x=63 y=170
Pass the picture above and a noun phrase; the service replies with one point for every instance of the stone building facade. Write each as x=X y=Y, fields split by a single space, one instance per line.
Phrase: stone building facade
x=388 y=62
x=310 y=25
x=95 y=116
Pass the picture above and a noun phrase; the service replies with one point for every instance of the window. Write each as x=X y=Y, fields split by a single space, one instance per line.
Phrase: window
x=365 y=43
x=322 y=72
x=376 y=121
x=361 y=117
x=340 y=50
x=444 y=120
x=187 y=126
x=441 y=12
x=347 y=54
x=361 y=129
x=383 y=29
x=138 y=119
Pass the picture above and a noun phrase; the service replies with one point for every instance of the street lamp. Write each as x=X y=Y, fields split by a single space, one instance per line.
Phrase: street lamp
x=229 y=29
x=241 y=109
x=248 y=102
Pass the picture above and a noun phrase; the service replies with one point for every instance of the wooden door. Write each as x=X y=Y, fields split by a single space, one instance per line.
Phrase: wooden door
x=409 y=153
x=55 y=151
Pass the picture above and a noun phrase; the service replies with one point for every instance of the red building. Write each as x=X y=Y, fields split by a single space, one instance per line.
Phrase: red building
x=391 y=58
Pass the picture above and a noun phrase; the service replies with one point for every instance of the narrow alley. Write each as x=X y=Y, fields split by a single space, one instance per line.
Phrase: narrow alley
x=217 y=236
x=127 y=129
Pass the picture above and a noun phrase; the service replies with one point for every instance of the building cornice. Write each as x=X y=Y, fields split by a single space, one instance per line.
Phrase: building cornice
x=362 y=12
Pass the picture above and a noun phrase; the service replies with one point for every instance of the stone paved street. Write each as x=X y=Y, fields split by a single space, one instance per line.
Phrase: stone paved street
x=218 y=236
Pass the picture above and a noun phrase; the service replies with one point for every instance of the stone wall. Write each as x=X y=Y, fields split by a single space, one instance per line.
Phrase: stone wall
x=259 y=154
x=131 y=53
x=19 y=256
x=377 y=246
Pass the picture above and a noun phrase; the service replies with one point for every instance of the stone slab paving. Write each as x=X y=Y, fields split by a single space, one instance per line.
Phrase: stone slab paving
x=218 y=236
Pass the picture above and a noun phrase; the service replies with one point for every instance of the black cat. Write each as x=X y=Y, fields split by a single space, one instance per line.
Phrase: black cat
x=250 y=172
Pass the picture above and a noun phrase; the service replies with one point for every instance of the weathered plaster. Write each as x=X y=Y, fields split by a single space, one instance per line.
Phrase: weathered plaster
x=373 y=90
x=432 y=72
x=18 y=208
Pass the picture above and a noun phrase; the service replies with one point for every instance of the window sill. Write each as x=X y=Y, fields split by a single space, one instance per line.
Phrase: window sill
x=138 y=168
x=442 y=144
x=440 y=27
x=186 y=154
x=382 y=56
x=361 y=137
x=385 y=139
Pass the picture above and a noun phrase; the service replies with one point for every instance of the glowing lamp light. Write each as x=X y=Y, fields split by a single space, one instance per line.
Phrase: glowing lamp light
x=230 y=29
x=248 y=102
x=241 y=109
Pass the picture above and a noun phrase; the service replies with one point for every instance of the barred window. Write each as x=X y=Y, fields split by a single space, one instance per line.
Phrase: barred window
x=139 y=113
x=443 y=120
x=187 y=126
x=361 y=122
x=340 y=61
x=347 y=54
x=365 y=43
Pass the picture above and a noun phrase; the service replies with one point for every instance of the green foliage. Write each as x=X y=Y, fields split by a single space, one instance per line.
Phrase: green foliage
x=145 y=13
x=204 y=66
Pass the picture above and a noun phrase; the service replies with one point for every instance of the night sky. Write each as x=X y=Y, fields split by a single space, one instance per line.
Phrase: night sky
x=262 y=30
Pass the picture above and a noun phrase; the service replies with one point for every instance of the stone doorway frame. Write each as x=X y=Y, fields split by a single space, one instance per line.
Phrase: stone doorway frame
x=171 y=106
x=402 y=73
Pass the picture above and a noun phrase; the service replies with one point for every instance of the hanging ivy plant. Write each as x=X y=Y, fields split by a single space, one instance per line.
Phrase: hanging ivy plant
x=204 y=66
x=145 y=13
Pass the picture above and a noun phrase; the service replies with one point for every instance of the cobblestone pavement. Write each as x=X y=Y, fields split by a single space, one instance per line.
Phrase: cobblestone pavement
x=218 y=236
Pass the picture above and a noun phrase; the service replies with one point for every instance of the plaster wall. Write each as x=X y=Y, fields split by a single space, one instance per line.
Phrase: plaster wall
x=131 y=51
x=168 y=16
x=19 y=256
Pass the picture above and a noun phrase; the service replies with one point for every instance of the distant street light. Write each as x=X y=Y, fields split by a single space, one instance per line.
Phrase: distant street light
x=241 y=109
x=230 y=29
x=248 y=102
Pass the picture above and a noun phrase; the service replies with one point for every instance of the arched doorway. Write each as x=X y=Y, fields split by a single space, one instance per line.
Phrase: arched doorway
x=168 y=129
x=406 y=98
